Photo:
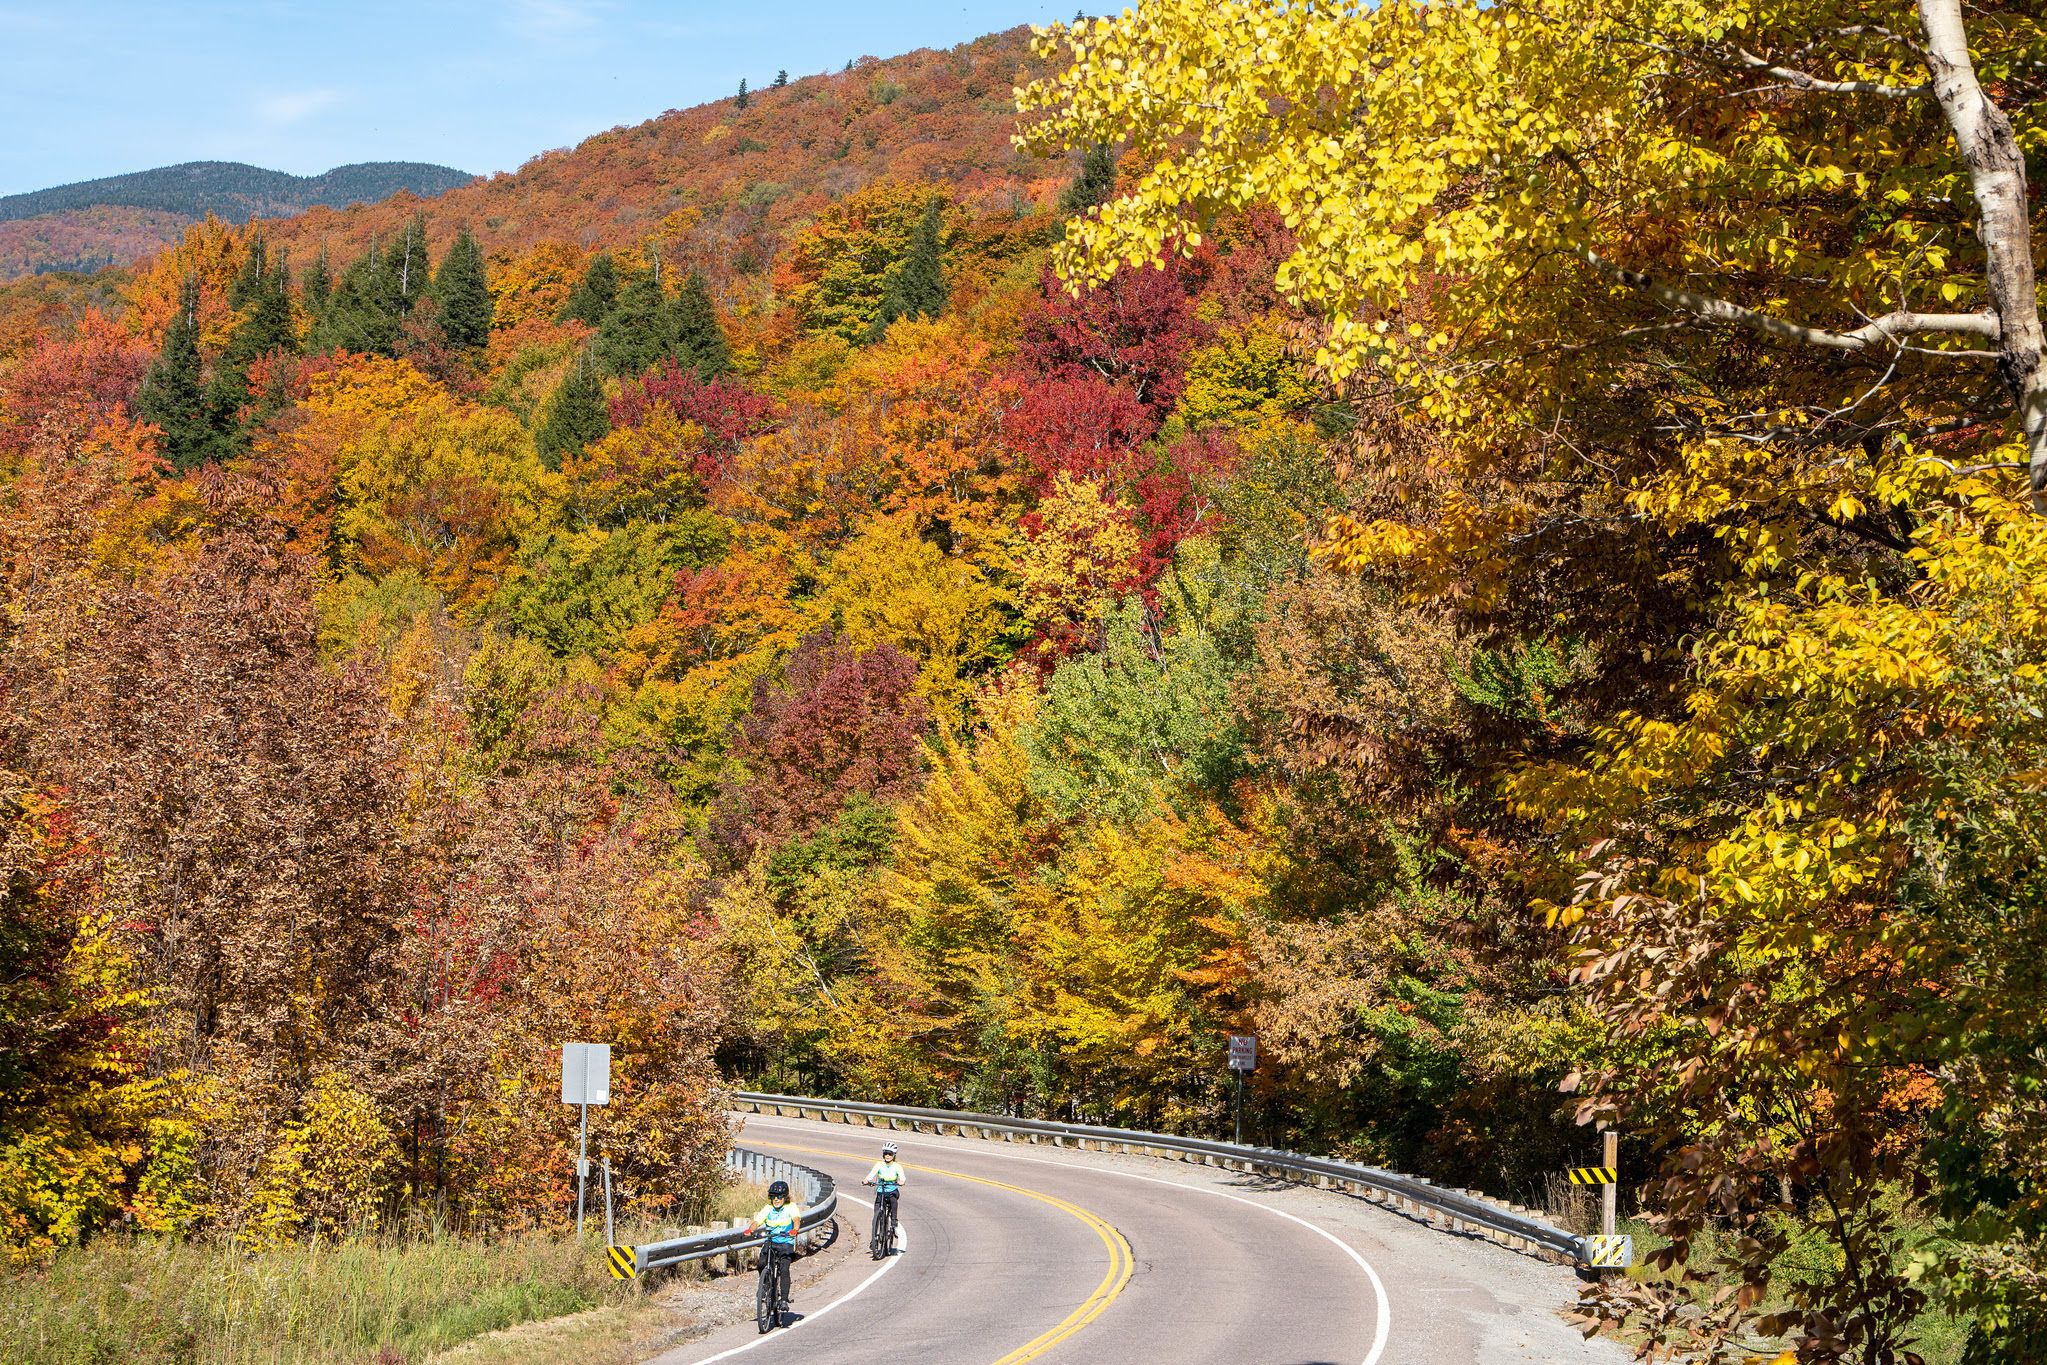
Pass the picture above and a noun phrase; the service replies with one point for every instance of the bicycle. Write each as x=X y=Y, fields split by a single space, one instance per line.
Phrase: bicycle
x=771 y=1292
x=883 y=1242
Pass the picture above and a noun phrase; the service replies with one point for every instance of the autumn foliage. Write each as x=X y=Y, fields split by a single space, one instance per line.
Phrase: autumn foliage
x=1043 y=618
x=457 y=699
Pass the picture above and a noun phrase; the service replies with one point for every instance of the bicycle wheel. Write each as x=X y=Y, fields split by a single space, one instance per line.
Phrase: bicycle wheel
x=884 y=1231
x=765 y=1313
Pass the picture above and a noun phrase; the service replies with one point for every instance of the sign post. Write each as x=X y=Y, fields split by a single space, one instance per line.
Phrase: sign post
x=1610 y=1193
x=586 y=1080
x=610 y=1235
x=1609 y=1249
x=1243 y=1058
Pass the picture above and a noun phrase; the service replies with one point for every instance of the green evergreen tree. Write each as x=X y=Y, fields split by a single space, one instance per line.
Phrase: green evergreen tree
x=317 y=285
x=407 y=272
x=248 y=281
x=916 y=287
x=640 y=329
x=576 y=416
x=462 y=289
x=265 y=305
x=173 y=392
x=594 y=296
x=358 y=316
x=699 y=341
x=1094 y=183
x=262 y=297
x=781 y=79
x=741 y=102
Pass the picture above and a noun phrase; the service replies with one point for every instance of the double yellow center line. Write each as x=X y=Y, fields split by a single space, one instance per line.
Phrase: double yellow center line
x=1121 y=1261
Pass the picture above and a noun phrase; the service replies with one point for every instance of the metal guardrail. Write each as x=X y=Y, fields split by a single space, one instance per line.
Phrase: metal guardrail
x=1459 y=1210
x=820 y=1200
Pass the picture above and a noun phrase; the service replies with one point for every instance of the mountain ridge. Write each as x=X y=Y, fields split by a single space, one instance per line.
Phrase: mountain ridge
x=234 y=191
x=117 y=220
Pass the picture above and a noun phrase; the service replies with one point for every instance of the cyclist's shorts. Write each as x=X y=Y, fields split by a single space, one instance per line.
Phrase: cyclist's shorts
x=887 y=1187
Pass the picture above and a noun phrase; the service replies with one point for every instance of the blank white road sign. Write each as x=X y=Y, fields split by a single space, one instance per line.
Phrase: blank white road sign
x=586 y=1073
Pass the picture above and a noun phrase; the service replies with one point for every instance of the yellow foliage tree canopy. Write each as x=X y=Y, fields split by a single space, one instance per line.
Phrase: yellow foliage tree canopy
x=1506 y=206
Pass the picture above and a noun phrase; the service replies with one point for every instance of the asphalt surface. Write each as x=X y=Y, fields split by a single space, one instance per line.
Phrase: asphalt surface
x=1020 y=1253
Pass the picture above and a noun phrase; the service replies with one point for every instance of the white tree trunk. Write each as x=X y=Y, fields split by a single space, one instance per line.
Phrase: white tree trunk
x=1997 y=175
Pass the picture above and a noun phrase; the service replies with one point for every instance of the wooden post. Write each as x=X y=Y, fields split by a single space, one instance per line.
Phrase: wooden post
x=1610 y=1194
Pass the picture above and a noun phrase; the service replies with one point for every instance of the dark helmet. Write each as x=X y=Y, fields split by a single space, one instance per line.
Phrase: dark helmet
x=779 y=1190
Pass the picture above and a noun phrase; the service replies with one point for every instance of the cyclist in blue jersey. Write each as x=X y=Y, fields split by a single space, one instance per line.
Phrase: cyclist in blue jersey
x=780 y=1218
x=782 y=1221
x=886 y=1175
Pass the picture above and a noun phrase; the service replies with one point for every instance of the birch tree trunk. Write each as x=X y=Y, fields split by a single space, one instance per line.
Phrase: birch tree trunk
x=1997 y=175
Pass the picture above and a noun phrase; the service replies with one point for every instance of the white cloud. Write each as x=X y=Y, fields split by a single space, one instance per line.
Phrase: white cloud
x=293 y=106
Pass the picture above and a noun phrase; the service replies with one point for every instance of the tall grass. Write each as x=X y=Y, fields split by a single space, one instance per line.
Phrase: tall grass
x=385 y=1300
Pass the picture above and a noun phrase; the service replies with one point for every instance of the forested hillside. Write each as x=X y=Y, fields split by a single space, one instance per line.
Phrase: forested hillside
x=234 y=192
x=1442 y=536
x=84 y=241
x=120 y=219
x=720 y=184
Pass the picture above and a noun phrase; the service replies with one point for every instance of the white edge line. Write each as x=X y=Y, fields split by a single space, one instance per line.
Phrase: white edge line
x=902 y=1250
x=1382 y=1317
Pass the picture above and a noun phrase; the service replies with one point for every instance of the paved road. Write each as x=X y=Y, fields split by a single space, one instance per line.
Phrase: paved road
x=1085 y=1258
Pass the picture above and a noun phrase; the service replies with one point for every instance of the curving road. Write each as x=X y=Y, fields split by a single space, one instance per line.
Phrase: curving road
x=1086 y=1258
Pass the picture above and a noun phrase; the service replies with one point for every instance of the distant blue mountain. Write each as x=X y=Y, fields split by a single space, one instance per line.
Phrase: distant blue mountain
x=236 y=192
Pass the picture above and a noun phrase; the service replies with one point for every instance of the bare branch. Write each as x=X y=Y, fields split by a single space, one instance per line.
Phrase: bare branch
x=1804 y=81
x=1879 y=331
x=1961 y=470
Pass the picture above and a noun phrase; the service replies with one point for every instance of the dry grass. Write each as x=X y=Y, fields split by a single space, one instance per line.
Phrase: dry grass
x=375 y=1300
x=615 y=1334
x=1574 y=1208
x=388 y=1300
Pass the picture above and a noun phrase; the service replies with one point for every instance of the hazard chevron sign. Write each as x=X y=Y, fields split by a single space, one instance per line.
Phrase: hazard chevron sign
x=1611 y=1252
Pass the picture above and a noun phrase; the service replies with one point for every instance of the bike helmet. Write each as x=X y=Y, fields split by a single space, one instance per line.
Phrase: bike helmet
x=779 y=1190
x=888 y=1149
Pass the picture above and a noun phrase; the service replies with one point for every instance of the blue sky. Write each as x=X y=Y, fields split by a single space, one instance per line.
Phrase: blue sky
x=95 y=88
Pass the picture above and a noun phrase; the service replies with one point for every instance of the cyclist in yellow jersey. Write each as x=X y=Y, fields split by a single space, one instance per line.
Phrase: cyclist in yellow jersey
x=886 y=1175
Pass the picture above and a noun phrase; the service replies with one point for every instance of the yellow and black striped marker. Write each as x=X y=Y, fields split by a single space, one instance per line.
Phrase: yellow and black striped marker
x=1591 y=1175
x=623 y=1266
x=1612 y=1252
